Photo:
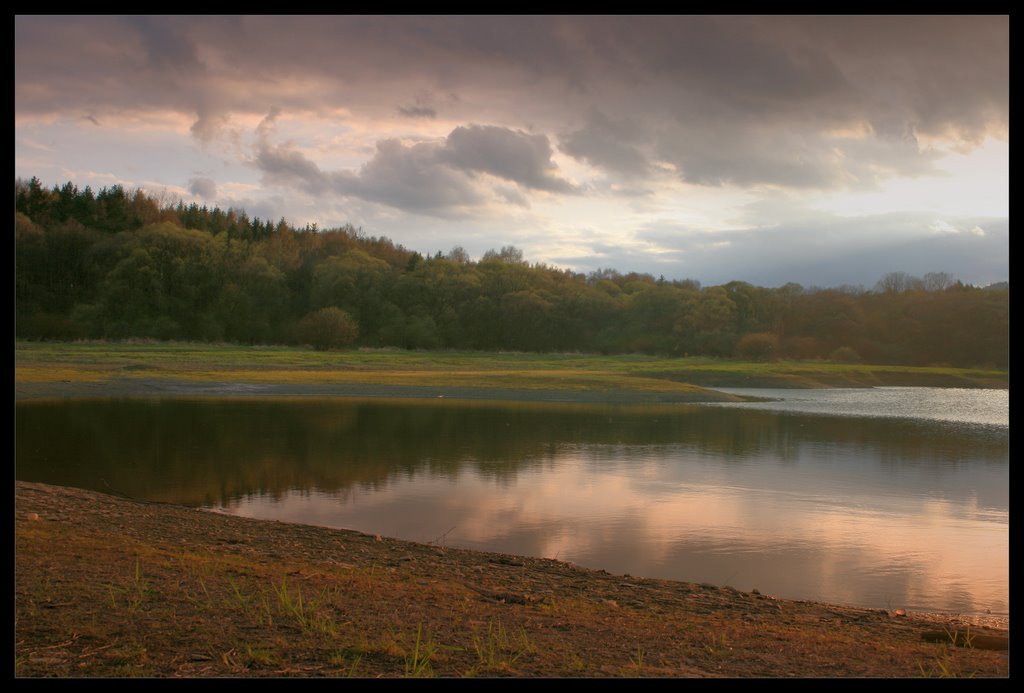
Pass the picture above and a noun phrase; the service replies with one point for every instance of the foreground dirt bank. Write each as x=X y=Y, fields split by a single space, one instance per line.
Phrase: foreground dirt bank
x=106 y=586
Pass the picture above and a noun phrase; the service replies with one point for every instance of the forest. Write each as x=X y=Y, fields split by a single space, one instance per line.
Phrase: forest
x=118 y=264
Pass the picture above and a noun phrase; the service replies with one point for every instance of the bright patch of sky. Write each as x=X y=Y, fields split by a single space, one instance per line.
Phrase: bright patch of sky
x=975 y=183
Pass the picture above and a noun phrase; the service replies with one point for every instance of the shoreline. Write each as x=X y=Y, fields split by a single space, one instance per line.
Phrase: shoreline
x=48 y=369
x=107 y=586
x=184 y=388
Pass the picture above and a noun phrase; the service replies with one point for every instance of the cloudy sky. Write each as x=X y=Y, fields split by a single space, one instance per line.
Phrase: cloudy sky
x=821 y=150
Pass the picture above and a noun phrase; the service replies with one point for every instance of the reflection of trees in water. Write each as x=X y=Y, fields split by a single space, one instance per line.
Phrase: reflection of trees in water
x=207 y=452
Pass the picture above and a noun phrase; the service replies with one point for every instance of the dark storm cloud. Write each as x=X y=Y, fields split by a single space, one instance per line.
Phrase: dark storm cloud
x=166 y=44
x=110 y=63
x=937 y=73
x=614 y=144
x=747 y=100
x=738 y=61
x=764 y=64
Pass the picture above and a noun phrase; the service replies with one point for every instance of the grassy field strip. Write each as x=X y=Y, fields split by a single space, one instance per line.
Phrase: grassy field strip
x=49 y=362
x=49 y=373
x=227 y=356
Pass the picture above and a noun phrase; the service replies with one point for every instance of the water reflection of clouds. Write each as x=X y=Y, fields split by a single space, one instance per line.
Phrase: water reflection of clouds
x=780 y=541
x=795 y=505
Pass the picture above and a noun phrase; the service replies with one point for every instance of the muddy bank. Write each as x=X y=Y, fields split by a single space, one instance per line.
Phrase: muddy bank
x=107 y=586
x=173 y=387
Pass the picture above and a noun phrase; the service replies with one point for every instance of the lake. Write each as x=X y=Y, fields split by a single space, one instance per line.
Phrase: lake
x=886 y=497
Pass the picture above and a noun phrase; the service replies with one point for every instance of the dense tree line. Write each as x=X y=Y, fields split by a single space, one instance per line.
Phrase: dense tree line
x=113 y=264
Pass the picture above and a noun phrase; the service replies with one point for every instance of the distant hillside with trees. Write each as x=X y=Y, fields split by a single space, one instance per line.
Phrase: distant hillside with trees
x=115 y=264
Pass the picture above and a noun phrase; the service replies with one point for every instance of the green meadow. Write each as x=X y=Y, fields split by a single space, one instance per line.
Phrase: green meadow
x=103 y=361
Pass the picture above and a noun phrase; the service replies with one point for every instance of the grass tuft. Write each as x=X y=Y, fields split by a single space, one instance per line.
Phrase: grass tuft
x=498 y=649
x=417 y=662
x=638 y=660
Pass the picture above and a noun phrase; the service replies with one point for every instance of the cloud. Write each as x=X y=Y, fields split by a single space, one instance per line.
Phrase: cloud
x=611 y=144
x=940 y=226
x=771 y=66
x=166 y=43
x=749 y=156
x=32 y=144
x=417 y=111
x=203 y=187
x=433 y=176
x=411 y=178
x=745 y=100
x=208 y=126
x=423 y=105
x=749 y=64
x=827 y=251
x=407 y=177
x=512 y=195
x=510 y=154
x=791 y=156
x=285 y=165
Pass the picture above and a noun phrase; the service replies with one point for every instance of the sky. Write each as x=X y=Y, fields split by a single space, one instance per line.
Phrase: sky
x=822 y=150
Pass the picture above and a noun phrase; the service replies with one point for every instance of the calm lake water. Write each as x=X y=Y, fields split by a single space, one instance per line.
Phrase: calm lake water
x=888 y=497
